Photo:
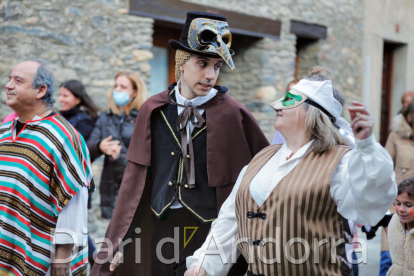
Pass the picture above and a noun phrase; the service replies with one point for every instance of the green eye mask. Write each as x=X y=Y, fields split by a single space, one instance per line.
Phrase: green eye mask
x=290 y=99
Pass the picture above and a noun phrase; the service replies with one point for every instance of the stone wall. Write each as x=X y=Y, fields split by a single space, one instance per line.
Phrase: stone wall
x=88 y=40
x=92 y=40
x=265 y=67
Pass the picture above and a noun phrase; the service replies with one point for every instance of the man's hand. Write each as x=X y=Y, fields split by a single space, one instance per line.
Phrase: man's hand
x=192 y=271
x=362 y=121
x=59 y=266
x=60 y=269
x=116 y=261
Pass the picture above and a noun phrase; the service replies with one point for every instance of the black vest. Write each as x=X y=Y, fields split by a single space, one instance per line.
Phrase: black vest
x=168 y=172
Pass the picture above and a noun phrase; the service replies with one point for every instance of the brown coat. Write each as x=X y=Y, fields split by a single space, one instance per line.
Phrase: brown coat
x=233 y=138
x=400 y=145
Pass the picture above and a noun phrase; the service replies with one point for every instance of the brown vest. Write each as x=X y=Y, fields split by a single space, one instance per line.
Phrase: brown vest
x=299 y=207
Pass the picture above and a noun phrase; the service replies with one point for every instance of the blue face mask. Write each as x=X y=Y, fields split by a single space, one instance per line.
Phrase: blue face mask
x=121 y=98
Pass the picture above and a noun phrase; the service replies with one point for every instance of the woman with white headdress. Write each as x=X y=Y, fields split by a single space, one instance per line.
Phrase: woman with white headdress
x=285 y=213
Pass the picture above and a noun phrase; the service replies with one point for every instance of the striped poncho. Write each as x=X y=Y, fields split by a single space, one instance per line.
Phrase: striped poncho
x=41 y=169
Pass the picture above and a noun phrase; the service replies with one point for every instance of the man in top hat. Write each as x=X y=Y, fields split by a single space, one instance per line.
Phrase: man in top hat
x=188 y=146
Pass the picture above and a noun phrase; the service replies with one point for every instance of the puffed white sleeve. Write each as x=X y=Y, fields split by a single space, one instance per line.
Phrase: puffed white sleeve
x=363 y=183
x=221 y=241
x=73 y=220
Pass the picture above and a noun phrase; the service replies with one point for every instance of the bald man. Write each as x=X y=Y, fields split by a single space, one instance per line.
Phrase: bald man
x=407 y=98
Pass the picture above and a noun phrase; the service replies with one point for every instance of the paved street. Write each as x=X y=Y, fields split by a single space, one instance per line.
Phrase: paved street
x=371 y=268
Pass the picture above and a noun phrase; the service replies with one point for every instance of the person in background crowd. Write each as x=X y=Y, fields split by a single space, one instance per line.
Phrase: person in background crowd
x=407 y=97
x=45 y=175
x=278 y=138
x=9 y=117
x=77 y=107
x=400 y=231
x=400 y=145
x=112 y=135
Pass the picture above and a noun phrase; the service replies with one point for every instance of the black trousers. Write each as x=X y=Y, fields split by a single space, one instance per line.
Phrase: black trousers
x=153 y=232
x=173 y=225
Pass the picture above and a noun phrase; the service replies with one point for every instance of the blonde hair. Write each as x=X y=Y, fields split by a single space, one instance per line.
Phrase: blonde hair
x=138 y=85
x=181 y=57
x=320 y=129
x=318 y=126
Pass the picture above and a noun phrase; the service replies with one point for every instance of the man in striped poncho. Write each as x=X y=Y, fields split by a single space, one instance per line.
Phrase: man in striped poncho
x=45 y=176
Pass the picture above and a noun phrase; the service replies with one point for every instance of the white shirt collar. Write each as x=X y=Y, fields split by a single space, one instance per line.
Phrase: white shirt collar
x=197 y=100
x=303 y=151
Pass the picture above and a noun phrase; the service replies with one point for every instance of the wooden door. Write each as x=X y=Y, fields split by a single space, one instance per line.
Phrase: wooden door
x=387 y=71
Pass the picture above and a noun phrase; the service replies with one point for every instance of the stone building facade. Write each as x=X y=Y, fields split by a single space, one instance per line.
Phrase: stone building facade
x=93 y=40
x=267 y=66
x=86 y=40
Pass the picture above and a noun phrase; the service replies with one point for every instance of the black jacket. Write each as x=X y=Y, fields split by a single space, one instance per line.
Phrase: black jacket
x=113 y=170
x=169 y=180
x=80 y=121
x=83 y=124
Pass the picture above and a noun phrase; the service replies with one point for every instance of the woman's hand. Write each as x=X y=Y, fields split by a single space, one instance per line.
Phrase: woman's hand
x=111 y=148
x=362 y=121
x=192 y=271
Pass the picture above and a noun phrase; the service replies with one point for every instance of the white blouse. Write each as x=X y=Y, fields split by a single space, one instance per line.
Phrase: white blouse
x=362 y=186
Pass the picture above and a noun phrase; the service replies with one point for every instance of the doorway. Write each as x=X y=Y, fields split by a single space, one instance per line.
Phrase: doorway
x=306 y=56
x=394 y=68
x=387 y=70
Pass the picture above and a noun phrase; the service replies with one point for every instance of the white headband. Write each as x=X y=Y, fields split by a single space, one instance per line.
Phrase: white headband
x=321 y=92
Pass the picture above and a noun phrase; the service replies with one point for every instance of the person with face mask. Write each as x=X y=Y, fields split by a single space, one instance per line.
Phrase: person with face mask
x=112 y=134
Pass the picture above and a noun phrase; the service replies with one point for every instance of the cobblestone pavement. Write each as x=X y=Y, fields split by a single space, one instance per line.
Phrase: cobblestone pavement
x=371 y=268
x=96 y=224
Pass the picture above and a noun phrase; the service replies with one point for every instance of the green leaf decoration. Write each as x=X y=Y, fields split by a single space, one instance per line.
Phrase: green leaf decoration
x=290 y=99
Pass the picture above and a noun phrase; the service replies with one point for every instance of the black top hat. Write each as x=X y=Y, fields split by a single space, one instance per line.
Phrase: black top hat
x=183 y=43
